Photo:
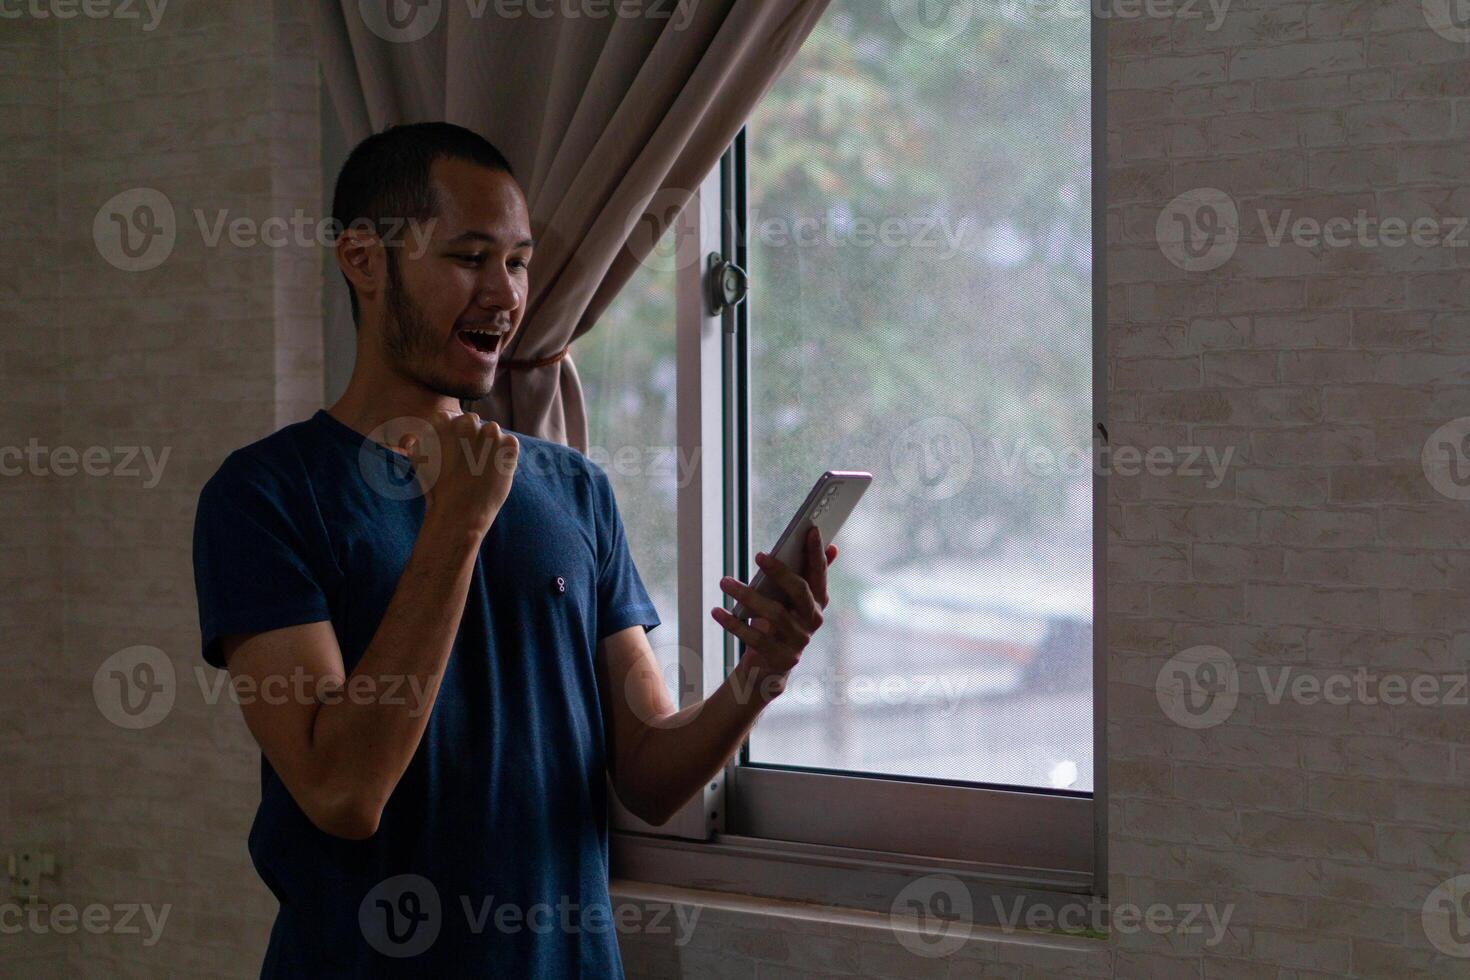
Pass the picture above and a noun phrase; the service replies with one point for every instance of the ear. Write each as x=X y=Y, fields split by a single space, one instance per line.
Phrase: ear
x=362 y=259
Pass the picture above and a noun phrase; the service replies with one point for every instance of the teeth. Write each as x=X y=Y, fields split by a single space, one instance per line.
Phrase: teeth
x=486 y=340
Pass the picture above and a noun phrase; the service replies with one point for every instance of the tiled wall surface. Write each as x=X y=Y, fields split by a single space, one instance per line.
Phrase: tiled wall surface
x=213 y=106
x=31 y=598
x=1330 y=552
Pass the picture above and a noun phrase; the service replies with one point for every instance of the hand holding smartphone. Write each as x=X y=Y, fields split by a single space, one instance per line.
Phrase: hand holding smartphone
x=826 y=508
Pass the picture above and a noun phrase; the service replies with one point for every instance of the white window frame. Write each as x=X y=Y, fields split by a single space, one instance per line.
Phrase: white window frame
x=845 y=840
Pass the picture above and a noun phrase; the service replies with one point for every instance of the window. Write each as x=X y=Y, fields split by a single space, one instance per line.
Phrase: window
x=628 y=371
x=920 y=230
x=916 y=213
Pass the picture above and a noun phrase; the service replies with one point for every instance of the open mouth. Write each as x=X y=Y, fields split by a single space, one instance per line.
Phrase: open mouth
x=485 y=342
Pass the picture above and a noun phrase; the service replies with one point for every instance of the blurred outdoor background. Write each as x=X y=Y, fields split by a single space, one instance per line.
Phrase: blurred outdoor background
x=920 y=234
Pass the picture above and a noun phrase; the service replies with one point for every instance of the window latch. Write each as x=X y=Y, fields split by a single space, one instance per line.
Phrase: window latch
x=726 y=283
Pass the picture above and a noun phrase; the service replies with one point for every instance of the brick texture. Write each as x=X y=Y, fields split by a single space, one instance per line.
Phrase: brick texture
x=1325 y=825
x=215 y=107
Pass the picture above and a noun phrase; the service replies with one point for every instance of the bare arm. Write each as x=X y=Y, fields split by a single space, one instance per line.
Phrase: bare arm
x=342 y=747
x=660 y=756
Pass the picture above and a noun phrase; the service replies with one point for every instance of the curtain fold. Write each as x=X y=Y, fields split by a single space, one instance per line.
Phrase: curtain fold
x=596 y=115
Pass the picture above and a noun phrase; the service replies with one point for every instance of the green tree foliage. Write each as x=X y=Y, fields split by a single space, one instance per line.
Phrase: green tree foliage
x=985 y=137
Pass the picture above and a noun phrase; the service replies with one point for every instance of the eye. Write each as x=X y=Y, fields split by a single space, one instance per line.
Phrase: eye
x=519 y=263
x=475 y=259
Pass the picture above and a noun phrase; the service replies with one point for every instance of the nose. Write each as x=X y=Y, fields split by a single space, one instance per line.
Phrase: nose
x=499 y=291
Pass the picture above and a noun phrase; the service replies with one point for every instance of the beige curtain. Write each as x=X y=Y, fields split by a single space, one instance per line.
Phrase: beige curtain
x=597 y=114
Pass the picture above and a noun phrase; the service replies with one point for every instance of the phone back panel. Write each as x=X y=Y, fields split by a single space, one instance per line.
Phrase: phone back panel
x=826 y=507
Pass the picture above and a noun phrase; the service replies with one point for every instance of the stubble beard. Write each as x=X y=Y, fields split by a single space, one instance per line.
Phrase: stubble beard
x=410 y=345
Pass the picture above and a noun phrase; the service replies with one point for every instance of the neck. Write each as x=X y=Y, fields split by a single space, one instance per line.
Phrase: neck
x=377 y=393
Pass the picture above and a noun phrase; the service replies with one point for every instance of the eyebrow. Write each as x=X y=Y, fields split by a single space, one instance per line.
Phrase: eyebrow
x=480 y=236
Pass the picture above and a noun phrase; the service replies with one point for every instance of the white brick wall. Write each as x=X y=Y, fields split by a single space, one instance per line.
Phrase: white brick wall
x=217 y=109
x=1329 y=823
x=32 y=814
x=1324 y=827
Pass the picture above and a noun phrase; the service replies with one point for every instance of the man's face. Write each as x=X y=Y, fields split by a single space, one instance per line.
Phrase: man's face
x=453 y=302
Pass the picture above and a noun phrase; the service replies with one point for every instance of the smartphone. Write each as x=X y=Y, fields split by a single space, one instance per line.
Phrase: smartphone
x=831 y=500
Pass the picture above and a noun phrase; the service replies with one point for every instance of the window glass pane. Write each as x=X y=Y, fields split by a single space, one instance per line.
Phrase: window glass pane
x=626 y=365
x=920 y=235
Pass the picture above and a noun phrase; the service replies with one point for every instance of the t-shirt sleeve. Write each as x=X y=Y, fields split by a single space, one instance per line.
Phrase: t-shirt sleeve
x=252 y=556
x=622 y=601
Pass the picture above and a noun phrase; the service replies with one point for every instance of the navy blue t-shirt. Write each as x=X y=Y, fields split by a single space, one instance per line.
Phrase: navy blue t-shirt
x=491 y=858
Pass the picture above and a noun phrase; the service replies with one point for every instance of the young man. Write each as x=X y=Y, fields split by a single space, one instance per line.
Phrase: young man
x=435 y=626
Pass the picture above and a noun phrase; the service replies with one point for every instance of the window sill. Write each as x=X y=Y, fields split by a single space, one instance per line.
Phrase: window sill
x=824 y=918
x=862 y=886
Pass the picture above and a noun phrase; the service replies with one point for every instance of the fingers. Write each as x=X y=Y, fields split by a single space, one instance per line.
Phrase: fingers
x=752 y=637
x=507 y=451
x=803 y=603
x=778 y=618
x=754 y=601
x=779 y=656
x=409 y=448
x=816 y=567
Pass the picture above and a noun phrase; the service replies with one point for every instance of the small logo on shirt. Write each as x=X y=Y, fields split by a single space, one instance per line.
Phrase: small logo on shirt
x=559 y=584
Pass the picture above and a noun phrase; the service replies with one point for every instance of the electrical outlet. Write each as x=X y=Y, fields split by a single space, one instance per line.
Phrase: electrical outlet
x=27 y=868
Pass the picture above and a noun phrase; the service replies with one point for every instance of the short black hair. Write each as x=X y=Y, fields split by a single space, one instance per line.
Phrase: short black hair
x=385 y=181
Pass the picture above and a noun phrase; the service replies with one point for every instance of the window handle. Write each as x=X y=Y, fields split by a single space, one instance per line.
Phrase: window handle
x=726 y=283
